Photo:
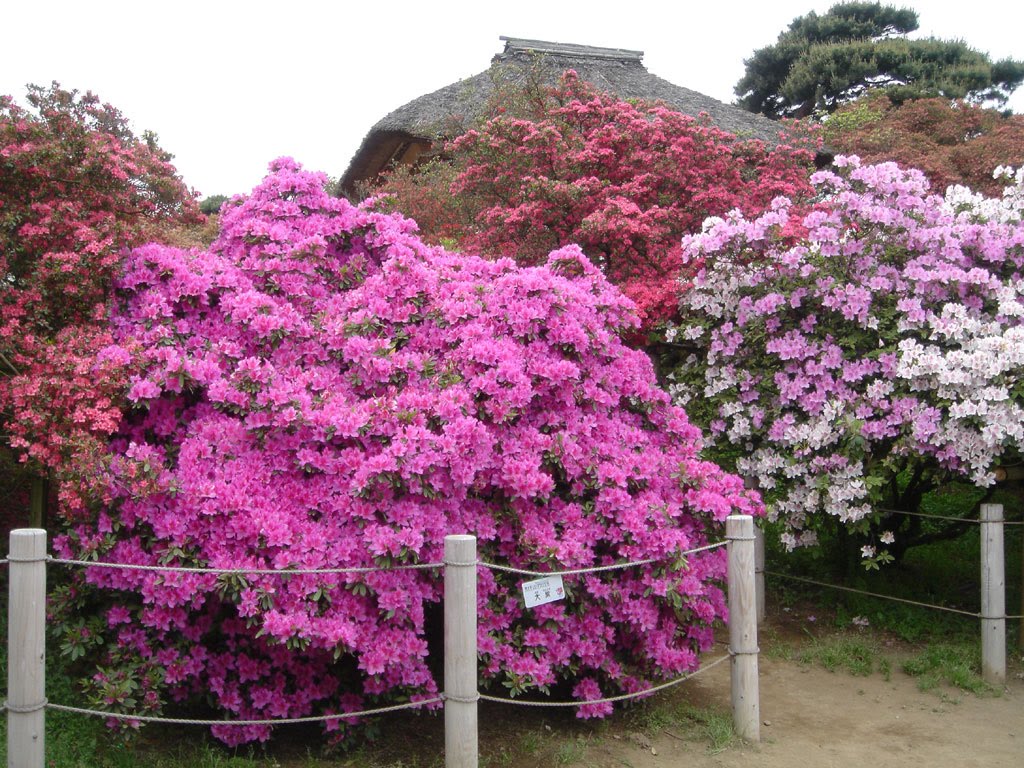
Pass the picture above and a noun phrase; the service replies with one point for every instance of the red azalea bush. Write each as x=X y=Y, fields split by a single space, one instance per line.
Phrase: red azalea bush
x=951 y=142
x=622 y=180
x=321 y=389
x=76 y=188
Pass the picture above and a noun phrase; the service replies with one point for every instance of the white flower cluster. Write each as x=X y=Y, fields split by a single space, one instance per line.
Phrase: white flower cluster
x=721 y=378
x=978 y=377
x=892 y=333
x=1009 y=209
x=841 y=491
x=817 y=432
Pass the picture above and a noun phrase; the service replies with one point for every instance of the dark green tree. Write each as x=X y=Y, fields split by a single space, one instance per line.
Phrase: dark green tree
x=822 y=62
x=212 y=204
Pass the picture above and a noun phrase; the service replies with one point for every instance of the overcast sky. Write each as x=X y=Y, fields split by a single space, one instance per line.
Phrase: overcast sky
x=229 y=86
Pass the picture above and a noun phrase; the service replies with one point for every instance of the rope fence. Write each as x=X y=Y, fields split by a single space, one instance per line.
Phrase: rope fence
x=609 y=699
x=26 y=667
x=776 y=574
x=418 y=704
x=243 y=571
x=995 y=518
x=28 y=561
x=371 y=569
x=273 y=721
x=946 y=518
x=599 y=568
x=993 y=615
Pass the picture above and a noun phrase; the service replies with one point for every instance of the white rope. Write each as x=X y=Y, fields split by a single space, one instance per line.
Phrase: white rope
x=379 y=711
x=25 y=709
x=609 y=699
x=972 y=520
x=874 y=594
x=596 y=569
x=278 y=721
x=461 y=699
x=975 y=521
x=368 y=569
x=240 y=571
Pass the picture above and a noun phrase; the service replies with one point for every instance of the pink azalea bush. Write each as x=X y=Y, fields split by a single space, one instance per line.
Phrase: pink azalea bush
x=321 y=389
x=869 y=361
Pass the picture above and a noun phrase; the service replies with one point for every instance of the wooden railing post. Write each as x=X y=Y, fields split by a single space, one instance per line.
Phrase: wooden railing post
x=759 y=573
x=993 y=596
x=746 y=706
x=750 y=482
x=26 y=649
x=460 y=658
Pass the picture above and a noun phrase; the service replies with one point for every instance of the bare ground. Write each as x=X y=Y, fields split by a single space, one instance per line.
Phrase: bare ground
x=820 y=719
x=811 y=718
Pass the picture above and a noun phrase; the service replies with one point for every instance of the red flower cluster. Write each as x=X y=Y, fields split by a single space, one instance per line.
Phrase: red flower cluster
x=76 y=188
x=622 y=180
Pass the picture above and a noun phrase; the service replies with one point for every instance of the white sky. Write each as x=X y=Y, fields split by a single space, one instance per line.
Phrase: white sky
x=229 y=86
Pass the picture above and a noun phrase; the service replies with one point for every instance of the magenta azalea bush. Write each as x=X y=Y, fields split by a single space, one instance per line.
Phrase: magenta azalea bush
x=867 y=361
x=320 y=389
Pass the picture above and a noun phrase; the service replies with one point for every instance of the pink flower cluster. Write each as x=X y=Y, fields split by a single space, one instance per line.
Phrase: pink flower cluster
x=320 y=389
x=870 y=360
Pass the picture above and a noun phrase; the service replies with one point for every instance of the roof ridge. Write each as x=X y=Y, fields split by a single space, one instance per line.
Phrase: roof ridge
x=522 y=45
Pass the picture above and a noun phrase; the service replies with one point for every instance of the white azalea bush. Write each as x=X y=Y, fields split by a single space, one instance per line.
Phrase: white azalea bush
x=861 y=357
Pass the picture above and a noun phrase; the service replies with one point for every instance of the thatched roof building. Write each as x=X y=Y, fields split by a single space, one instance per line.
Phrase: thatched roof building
x=409 y=132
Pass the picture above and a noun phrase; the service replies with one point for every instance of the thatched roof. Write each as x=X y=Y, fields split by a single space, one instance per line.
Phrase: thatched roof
x=437 y=115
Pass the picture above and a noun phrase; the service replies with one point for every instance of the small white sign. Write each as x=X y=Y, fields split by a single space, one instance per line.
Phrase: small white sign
x=541 y=591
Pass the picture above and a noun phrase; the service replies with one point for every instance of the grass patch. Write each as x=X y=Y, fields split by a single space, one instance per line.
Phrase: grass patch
x=685 y=721
x=857 y=655
x=712 y=726
x=571 y=751
x=952 y=664
x=942 y=573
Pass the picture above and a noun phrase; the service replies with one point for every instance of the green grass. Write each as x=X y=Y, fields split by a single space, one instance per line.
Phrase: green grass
x=685 y=721
x=856 y=655
x=944 y=646
x=712 y=726
x=957 y=665
x=571 y=751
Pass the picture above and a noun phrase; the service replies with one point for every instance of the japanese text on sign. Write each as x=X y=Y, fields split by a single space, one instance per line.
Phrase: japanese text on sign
x=541 y=591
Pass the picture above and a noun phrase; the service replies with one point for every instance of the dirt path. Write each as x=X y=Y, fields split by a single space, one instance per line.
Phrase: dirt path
x=814 y=718
x=811 y=718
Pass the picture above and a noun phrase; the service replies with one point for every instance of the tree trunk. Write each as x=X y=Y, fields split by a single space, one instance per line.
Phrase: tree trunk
x=37 y=502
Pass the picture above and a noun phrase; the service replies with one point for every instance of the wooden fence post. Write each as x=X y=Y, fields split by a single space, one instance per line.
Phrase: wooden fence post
x=746 y=706
x=759 y=572
x=993 y=596
x=460 y=658
x=751 y=483
x=26 y=649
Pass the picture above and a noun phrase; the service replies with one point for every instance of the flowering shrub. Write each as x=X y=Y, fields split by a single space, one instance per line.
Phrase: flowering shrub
x=869 y=361
x=76 y=187
x=952 y=142
x=320 y=389
x=623 y=180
